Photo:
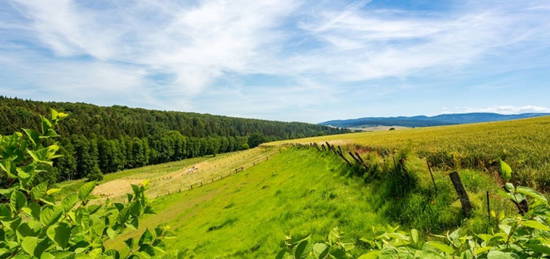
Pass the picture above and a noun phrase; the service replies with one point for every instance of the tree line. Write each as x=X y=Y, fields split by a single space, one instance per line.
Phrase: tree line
x=99 y=140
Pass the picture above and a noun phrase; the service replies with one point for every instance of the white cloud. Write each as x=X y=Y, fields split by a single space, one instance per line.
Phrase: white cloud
x=367 y=45
x=197 y=43
x=504 y=109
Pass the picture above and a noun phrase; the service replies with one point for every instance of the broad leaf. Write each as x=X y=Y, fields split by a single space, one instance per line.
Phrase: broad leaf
x=39 y=191
x=505 y=171
x=370 y=255
x=29 y=244
x=49 y=216
x=5 y=212
x=320 y=250
x=543 y=249
x=17 y=200
x=535 y=224
x=299 y=252
x=69 y=201
x=60 y=234
x=85 y=190
x=440 y=246
x=531 y=193
x=500 y=255
x=414 y=235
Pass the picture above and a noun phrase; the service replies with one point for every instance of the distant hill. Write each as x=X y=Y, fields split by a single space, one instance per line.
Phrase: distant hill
x=427 y=121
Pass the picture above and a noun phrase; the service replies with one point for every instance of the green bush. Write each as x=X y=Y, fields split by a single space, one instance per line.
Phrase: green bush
x=519 y=236
x=35 y=225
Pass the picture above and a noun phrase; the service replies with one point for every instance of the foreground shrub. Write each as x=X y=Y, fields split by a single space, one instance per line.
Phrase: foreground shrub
x=35 y=225
x=524 y=235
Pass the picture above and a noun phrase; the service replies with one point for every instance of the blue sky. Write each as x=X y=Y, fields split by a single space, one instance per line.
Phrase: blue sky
x=291 y=60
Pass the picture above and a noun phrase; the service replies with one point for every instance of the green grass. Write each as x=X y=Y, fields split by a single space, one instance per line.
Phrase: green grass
x=246 y=215
x=300 y=191
x=524 y=144
x=142 y=172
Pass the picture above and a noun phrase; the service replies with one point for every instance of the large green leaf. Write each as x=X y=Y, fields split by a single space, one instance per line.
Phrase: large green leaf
x=299 y=252
x=7 y=166
x=17 y=200
x=60 y=234
x=414 y=235
x=5 y=212
x=320 y=250
x=531 y=193
x=370 y=255
x=69 y=201
x=543 y=249
x=33 y=136
x=49 y=216
x=500 y=255
x=505 y=171
x=85 y=190
x=57 y=115
x=535 y=224
x=39 y=190
x=146 y=237
x=440 y=246
x=29 y=244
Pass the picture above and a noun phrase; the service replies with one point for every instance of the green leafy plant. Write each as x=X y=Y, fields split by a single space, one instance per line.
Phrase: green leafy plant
x=334 y=247
x=36 y=225
x=518 y=236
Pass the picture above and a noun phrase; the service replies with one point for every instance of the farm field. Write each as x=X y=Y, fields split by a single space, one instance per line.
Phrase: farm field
x=246 y=215
x=524 y=144
x=299 y=192
x=174 y=176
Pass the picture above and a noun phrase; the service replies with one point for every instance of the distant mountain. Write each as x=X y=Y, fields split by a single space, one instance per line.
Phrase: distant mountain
x=427 y=121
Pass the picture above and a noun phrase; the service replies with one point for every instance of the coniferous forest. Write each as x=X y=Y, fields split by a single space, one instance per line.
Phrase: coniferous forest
x=99 y=140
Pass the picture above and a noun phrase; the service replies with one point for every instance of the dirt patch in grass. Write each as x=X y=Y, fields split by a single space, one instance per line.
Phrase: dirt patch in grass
x=115 y=188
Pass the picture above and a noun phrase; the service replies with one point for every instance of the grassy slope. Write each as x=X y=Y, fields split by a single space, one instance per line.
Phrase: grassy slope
x=144 y=172
x=524 y=144
x=171 y=177
x=247 y=215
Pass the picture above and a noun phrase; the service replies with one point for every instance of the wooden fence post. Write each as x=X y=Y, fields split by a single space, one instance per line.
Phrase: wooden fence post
x=431 y=174
x=488 y=209
x=358 y=159
x=462 y=195
x=316 y=146
x=339 y=152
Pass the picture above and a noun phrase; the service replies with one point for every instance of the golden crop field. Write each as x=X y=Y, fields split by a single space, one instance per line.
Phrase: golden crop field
x=524 y=144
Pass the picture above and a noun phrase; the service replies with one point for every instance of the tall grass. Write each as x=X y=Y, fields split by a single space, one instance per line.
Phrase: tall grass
x=524 y=144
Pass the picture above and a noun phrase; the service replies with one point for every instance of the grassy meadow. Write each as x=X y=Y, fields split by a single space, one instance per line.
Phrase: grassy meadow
x=300 y=191
x=248 y=214
x=284 y=190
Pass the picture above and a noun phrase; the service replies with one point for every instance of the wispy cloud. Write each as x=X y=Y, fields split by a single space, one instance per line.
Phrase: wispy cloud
x=505 y=109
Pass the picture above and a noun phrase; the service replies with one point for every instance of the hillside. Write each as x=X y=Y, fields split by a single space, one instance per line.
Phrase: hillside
x=99 y=140
x=524 y=143
x=116 y=121
x=243 y=204
x=427 y=121
x=293 y=191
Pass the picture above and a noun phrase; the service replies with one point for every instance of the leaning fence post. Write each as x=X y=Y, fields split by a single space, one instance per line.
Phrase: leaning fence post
x=462 y=195
x=488 y=209
x=339 y=152
x=432 y=175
